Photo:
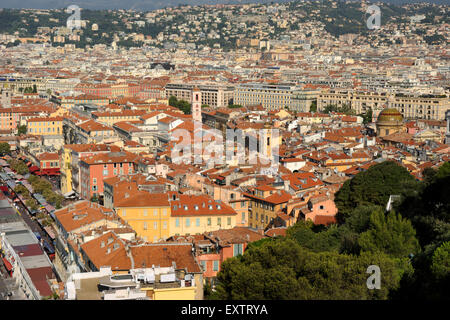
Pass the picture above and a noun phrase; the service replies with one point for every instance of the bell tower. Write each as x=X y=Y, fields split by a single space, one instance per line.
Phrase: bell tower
x=6 y=98
x=196 y=105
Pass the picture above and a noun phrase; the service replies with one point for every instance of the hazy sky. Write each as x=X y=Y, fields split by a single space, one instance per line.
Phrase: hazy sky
x=142 y=4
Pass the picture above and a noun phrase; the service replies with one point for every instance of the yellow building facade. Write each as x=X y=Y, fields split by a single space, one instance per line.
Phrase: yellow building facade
x=45 y=126
x=66 y=170
x=194 y=224
x=152 y=223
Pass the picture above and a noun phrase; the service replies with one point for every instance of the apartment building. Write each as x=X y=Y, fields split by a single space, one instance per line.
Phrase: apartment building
x=265 y=203
x=148 y=214
x=213 y=95
x=431 y=107
x=274 y=96
x=45 y=126
x=70 y=156
x=110 y=118
x=94 y=169
x=197 y=214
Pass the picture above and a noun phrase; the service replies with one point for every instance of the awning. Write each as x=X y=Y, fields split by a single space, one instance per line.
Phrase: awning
x=70 y=193
x=33 y=168
x=50 y=232
x=8 y=265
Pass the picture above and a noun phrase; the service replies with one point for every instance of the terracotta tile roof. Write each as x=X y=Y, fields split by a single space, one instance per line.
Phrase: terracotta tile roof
x=201 y=205
x=278 y=197
x=48 y=156
x=80 y=214
x=275 y=232
x=123 y=113
x=234 y=235
x=92 y=125
x=45 y=119
x=111 y=157
x=164 y=255
x=91 y=147
x=325 y=220
x=128 y=126
x=107 y=250
x=144 y=199
x=110 y=250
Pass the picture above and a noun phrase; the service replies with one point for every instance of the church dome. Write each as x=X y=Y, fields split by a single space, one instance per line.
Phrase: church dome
x=390 y=115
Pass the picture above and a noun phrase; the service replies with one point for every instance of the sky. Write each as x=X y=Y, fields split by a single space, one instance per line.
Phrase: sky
x=143 y=4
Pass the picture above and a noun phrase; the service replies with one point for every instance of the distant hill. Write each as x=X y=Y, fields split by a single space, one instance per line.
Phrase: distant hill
x=146 y=5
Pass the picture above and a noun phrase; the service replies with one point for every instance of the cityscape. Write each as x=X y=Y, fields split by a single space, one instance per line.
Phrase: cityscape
x=290 y=150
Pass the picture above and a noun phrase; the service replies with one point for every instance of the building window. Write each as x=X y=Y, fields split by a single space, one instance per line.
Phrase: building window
x=145 y=212
x=197 y=222
x=237 y=250
x=124 y=212
x=164 y=211
x=177 y=222
x=219 y=221
x=145 y=225
x=209 y=221
x=105 y=173
x=216 y=265
x=188 y=222
x=155 y=212
x=165 y=225
x=229 y=221
x=203 y=262
x=155 y=225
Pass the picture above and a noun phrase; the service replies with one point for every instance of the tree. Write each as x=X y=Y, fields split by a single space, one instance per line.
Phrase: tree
x=374 y=186
x=18 y=166
x=31 y=204
x=22 y=129
x=234 y=106
x=325 y=240
x=429 y=208
x=20 y=189
x=173 y=101
x=180 y=104
x=346 y=109
x=393 y=235
x=356 y=223
x=5 y=148
x=441 y=261
x=367 y=117
x=282 y=269
x=313 y=107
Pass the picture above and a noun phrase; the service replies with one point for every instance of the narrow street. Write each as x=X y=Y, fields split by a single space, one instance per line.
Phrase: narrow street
x=33 y=224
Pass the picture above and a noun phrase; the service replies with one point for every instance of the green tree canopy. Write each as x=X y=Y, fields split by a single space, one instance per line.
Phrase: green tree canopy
x=282 y=269
x=429 y=210
x=22 y=129
x=441 y=261
x=5 y=148
x=373 y=187
x=313 y=107
x=180 y=104
x=393 y=235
